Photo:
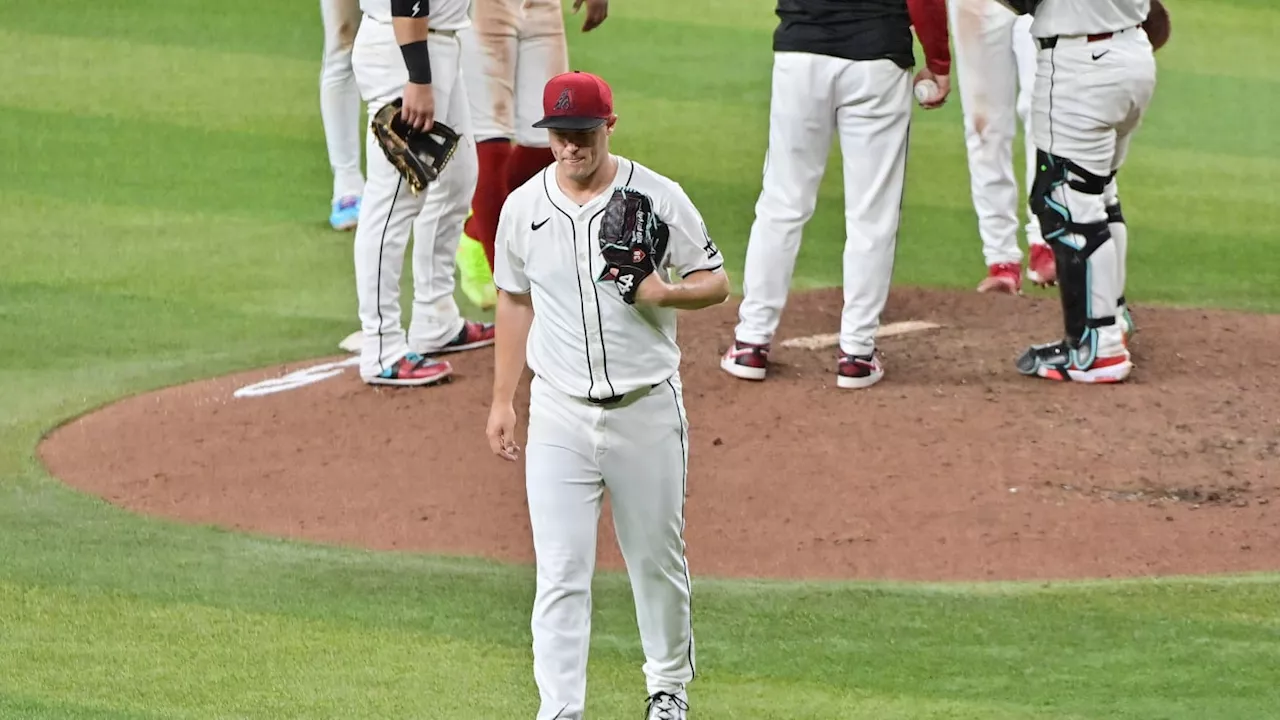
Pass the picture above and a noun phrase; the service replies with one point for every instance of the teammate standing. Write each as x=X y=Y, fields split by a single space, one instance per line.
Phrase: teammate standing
x=606 y=408
x=508 y=54
x=398 y=54
x=340 y=110
x=995 y=64
x=840 y=67
x=1096 y=76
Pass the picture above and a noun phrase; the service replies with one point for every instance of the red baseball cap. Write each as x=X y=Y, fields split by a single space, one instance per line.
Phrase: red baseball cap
x=575 y=101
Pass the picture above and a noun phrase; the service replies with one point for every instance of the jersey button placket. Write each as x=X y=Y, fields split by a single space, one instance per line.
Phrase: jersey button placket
x=594 y=331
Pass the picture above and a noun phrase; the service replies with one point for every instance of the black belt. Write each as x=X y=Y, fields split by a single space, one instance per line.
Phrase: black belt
x=431 y=30
x=615 y=399
x=1052 y=42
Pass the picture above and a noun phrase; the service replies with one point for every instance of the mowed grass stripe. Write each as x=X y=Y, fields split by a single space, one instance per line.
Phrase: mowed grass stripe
x=183 y=661
x=202 y=89
x=280 y=28
x=936 y=651
x=193 y=661
x=229 y=260
x=31 y=708
x=160 y=165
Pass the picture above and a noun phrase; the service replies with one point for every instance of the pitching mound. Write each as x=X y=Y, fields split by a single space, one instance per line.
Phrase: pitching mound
x=952 y=468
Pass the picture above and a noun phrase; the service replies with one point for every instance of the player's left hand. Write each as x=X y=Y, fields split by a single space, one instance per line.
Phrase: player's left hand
x=597 y=11
x=943 y=83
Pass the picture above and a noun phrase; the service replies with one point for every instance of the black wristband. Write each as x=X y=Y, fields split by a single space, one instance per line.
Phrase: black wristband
x=418 y=61
x=410 y=8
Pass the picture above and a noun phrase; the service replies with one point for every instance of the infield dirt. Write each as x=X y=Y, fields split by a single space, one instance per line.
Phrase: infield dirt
x=954 y=467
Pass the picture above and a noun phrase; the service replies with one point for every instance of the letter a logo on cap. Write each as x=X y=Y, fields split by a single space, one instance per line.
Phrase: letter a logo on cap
x=564 y=102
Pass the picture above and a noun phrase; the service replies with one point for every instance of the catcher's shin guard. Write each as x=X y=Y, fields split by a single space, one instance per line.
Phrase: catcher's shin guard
x=1120 y=238
x=1085 y=260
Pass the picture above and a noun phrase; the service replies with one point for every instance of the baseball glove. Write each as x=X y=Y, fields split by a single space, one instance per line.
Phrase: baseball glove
x=420 y=157
x=1157 y=25
x=633 y=241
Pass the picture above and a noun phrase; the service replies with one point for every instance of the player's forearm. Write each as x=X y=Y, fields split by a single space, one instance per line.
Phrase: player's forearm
x=409 y=20
x=514 y=317
x=929 y=18
x=699 y=290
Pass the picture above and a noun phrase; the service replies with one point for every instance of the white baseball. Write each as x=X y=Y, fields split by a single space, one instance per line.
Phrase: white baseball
x=926 y=90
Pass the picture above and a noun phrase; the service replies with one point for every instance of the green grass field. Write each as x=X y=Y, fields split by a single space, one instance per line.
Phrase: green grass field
x=166 y=190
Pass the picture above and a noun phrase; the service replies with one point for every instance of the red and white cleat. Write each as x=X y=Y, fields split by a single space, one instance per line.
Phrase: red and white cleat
x=413 y=369
x=1042 y=269
x=1002 y=278
x=746 y=361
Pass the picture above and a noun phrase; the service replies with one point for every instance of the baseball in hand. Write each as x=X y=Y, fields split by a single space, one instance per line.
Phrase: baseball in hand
x=926 y=90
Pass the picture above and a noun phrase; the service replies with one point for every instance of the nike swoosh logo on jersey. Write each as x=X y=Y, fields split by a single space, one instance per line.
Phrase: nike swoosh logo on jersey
x=535 y=226
x=1098 y=55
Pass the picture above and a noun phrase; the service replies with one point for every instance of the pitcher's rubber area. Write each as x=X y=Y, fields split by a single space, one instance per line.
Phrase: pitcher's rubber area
x=954 y=467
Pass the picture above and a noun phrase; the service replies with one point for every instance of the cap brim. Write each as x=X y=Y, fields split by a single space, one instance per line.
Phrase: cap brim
x=569 y=123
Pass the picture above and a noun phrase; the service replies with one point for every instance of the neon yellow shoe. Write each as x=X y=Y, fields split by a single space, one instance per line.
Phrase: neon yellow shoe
x=476 y=279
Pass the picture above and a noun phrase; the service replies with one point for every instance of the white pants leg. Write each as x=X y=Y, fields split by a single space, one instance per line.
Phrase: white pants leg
x=986 y=71
x=638 y=450
x=1090 y=98
x=645 y=469
x=437 y=230
x=801 y=125
x=388 y=208
x=873 y=117
x=489 y=67
x=1024 y=52
x=340 y=97
x=541 y=54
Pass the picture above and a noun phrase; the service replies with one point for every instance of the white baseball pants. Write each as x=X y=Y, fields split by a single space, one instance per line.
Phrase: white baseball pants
x=1090 y=99
x=508 y=54
x=339 y=96
x=389 y=209
x=868 y=103
x=995 y=68
x=638 y=450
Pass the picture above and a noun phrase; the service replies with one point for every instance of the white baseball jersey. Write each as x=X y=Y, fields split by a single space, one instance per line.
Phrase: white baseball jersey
x=585 y=340
x=444 y=14
x=1087 y=17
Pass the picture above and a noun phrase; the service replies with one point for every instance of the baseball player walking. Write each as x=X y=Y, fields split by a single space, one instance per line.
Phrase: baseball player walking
x=606 y=407
x=398 y=53
x=511 y=50
x=995 y=67
x=1095 y=79
x=839 y=67
x=340 y=110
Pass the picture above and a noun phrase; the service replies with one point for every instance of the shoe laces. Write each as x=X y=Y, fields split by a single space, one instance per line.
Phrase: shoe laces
x=666 y=706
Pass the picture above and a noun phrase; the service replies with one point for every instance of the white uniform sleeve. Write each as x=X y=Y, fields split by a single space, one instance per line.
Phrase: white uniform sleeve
x=689 y=247
x=508 y=252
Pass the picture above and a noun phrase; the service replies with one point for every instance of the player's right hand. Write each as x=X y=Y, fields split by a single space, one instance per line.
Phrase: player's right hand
x=597 y=11
x=419 y=107
x=502 y=432
x=943 y=82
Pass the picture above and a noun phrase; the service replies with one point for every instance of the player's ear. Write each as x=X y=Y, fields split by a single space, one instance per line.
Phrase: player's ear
x=610 y=123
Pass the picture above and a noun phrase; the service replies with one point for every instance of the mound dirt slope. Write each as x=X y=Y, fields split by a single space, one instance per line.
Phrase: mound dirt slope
x=952 y=468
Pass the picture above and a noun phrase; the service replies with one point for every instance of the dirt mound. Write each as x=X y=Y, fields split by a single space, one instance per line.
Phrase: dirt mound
x=952 y=468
